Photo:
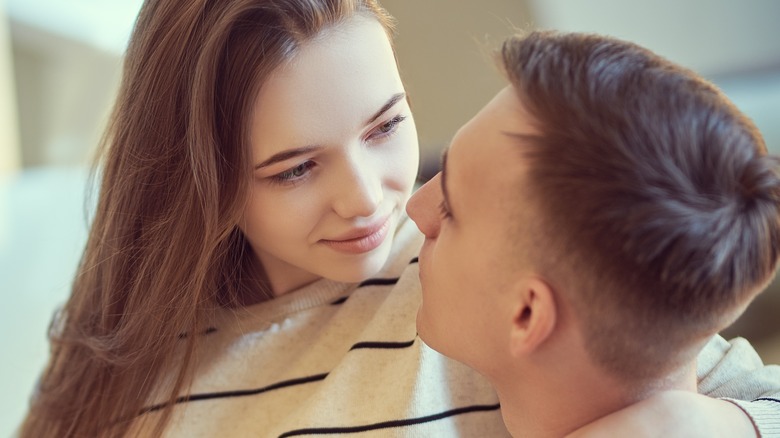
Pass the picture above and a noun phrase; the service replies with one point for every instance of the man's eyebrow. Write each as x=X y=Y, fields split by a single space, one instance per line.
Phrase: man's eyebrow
x=446 y=196
x=389 y=104
x=286 y=155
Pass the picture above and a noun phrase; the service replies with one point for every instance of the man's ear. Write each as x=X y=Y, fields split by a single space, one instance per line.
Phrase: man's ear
x=534 y=316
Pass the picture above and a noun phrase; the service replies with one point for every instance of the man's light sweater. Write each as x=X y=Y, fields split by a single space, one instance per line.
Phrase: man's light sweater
x=345 y=359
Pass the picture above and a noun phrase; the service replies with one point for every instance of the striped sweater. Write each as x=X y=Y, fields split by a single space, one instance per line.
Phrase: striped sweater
x=344 y=359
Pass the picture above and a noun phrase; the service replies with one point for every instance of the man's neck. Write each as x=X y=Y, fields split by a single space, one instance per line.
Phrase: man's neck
x=554 y=401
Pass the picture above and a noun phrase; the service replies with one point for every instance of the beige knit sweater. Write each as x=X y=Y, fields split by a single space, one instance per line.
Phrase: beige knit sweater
x=344 y=359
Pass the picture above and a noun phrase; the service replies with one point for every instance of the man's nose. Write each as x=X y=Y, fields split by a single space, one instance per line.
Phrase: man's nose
x=423 y=207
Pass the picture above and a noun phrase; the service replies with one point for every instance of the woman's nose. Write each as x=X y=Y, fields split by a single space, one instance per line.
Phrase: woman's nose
x=360 y=192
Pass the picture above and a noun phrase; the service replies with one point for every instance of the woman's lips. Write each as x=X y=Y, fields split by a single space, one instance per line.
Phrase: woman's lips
x=360 y=240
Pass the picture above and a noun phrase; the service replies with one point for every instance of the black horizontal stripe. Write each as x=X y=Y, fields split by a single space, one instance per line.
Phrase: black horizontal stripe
x=382 y=345
x=391 y=423
x=374 y=282
x=238 y=393
x=369 y=282
x=378 y=282
x=339 y=301
x=767 y=399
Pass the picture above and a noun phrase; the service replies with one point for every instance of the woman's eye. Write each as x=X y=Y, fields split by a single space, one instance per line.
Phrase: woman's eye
x=388 y=128
x=294 y=174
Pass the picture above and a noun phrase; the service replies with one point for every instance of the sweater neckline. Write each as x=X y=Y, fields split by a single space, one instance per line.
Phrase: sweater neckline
x=322 y=291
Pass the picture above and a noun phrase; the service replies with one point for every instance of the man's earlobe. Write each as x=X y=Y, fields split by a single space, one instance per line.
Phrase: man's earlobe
x=533 y=318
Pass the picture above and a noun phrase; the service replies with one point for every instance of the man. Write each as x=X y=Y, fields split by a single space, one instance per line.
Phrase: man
x=600 y=220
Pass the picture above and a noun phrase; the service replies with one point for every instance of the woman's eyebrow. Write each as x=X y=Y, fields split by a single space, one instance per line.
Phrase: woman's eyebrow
x=390 y=102
x=292 y=153
x=286 y=155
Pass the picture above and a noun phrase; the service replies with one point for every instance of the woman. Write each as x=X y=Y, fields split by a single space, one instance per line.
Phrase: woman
x=230 y=176
x=248 y=271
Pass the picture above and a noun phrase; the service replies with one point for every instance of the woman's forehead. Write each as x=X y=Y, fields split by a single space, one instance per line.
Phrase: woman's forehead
x=333 y=85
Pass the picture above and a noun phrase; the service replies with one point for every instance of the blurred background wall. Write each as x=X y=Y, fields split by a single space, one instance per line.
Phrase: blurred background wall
x=444 y=49
x=10 y=149
x=59 y=69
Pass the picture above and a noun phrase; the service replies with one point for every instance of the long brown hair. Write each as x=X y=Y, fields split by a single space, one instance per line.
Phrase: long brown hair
x=164 y=249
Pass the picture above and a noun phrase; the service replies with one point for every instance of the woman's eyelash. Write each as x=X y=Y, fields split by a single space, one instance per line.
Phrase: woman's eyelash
x=295 y=174
x=302 y=171
x=388 y=128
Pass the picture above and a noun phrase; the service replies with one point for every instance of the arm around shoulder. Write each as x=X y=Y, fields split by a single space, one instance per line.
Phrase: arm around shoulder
x=733 y=371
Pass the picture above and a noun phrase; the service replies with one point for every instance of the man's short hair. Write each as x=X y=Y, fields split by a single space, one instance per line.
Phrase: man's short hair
x=657 y=201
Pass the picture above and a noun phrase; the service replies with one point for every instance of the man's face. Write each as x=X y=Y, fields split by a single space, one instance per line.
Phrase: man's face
x=468 y=214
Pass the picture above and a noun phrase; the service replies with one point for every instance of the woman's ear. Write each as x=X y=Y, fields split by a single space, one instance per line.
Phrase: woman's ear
x=533 y=318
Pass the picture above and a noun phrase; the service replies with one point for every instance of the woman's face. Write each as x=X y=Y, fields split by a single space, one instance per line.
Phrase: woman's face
x=335 y=152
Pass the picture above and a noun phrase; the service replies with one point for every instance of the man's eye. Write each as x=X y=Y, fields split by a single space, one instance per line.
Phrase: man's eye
x=445 y=211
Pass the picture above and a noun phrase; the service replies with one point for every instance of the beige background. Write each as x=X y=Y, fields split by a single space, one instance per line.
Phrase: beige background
x=65 y=78
x=444 y=49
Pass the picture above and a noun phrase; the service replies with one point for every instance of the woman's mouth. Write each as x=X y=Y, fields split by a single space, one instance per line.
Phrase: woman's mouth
x=360 y=240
